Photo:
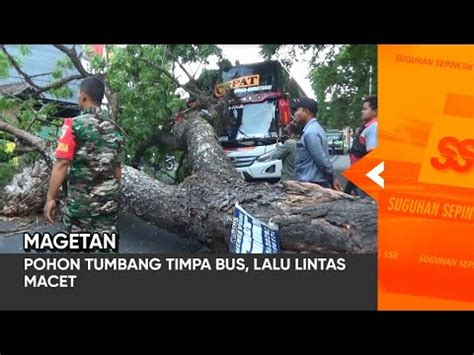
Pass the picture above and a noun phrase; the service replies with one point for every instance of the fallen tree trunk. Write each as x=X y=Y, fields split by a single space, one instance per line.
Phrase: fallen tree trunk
x=26 y=193
x=310 y=218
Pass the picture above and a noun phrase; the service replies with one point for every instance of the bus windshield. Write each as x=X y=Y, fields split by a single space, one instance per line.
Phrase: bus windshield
x=256 y=120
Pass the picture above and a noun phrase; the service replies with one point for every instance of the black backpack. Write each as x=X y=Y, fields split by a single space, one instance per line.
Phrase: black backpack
x=358 y=149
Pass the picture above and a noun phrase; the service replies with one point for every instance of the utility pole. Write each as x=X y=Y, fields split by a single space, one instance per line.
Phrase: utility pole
x=370 y=80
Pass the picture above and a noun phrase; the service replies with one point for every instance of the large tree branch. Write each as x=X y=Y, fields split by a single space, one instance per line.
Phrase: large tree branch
x=38 y=89
x=27 y=138
x=72 y=54
x=191 y=84
x=163 y=71
x=38 y=75
x=196 y=94
x=203 y=147
x=60 y=83
x=16 y=66
x=176 y=60
x=23 y=135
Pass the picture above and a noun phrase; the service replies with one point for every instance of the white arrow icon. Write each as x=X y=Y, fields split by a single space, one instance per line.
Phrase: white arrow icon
x=374 y=175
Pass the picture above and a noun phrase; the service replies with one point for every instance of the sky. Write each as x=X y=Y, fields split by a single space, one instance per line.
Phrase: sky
x=249 y=53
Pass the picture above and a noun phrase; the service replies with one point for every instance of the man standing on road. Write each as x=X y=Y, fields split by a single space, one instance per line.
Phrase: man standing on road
x=91 y=146
x=365 y=139
x=312 y=156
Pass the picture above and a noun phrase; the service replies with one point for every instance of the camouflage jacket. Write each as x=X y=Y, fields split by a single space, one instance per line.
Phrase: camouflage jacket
x=94 y=145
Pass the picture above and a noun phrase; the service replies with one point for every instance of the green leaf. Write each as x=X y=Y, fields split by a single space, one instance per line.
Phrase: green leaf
x=4 y=66
x=64 y=64
x=6 y=102
x=24 y=50
x=63 y=92
x=341 y=82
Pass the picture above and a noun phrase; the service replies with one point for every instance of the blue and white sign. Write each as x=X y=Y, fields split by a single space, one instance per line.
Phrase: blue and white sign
x=251 y=236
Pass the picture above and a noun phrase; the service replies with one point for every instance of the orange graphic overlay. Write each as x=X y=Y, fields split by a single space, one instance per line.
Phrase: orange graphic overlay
x=426 y=207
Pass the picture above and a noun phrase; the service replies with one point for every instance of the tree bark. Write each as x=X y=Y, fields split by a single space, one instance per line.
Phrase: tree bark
x=310 y=218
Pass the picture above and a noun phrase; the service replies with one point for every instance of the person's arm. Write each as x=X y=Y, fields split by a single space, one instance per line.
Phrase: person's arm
x=57 y=177
x=314 y=145
x=281 y=151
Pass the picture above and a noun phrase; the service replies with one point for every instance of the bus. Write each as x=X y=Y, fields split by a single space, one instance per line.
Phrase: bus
x=259 y=109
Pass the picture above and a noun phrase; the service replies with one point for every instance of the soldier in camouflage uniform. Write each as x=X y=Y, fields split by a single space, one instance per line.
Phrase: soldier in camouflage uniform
x=91 y=147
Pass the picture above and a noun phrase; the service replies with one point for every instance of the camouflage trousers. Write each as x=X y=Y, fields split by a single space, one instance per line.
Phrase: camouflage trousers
x=106 y=223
